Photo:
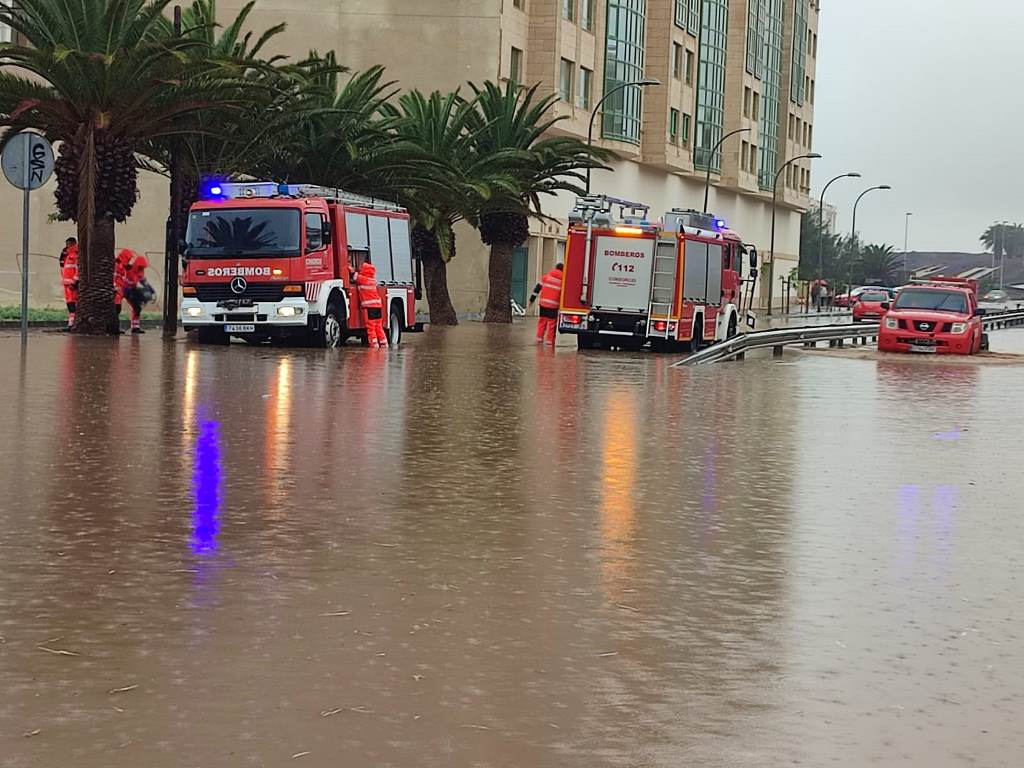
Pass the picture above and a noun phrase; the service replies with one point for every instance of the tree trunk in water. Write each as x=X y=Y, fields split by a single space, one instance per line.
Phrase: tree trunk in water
x=499 y=294
x=435 y=279
x=96 y=313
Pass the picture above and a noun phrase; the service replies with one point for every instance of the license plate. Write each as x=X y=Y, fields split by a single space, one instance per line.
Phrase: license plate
x=240 y=328
x=922 y=349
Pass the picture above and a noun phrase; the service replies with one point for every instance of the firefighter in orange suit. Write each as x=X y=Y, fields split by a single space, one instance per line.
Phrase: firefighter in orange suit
x=120 y=278
x=69 y=277
x=550 y=291
x=135 y=286
x=372 y=306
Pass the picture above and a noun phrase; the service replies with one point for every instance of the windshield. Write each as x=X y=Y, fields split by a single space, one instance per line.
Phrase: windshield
x=935 y=301
x=874 y=297
x=243 y=232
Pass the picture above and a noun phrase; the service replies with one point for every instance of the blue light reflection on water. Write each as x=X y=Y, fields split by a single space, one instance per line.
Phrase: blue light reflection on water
x=207 y=480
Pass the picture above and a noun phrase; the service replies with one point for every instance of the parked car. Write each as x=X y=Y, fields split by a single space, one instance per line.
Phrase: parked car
x=937 y=317
x=871 y=305
x=848 y=300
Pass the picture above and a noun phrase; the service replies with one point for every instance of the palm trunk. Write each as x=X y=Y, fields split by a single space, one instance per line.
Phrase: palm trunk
x=96 y=313
x=499 y=294
x=435 y=279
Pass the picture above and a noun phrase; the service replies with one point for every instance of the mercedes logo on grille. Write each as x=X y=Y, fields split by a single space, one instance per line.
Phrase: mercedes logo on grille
x=238 y=285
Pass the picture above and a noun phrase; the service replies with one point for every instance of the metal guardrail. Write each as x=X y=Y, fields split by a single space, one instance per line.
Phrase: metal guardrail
x=737 y=347
x=810 y=336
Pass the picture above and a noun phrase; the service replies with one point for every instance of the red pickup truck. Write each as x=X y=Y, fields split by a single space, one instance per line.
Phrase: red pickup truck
x=940 y=316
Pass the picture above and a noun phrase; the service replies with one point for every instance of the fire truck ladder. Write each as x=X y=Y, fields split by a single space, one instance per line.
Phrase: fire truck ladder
x=663 y=288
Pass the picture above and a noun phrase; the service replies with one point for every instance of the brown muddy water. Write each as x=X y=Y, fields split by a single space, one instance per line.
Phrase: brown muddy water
x=473 y=552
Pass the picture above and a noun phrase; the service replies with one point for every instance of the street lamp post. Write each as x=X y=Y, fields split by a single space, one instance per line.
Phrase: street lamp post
x=590 y=131
x=775 y=203
x=906 y=240
x=711 y=159
x=821 y=223
x=855 y=240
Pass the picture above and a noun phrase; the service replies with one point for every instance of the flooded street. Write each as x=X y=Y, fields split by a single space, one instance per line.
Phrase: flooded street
x=473 y=552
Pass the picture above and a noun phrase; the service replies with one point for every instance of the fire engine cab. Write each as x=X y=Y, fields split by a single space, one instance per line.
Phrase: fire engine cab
x=675 y=283
x=274 y=261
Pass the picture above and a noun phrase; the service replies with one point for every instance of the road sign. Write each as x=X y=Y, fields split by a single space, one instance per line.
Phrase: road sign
x=28 y=161
x=28 y=164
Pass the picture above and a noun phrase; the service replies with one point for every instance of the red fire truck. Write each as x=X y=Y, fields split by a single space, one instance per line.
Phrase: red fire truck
x=272 y=261
x=675 y=284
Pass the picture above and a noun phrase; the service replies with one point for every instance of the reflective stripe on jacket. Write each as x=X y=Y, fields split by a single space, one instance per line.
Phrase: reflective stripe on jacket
x=369 y=293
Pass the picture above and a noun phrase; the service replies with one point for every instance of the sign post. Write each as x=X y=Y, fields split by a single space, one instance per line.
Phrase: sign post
x=28 y=164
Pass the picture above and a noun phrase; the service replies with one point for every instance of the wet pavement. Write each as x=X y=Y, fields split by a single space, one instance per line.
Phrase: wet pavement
x=472 y=552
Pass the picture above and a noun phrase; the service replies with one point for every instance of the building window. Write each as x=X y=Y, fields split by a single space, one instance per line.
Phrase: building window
x=756 y=20
x=811 y=94
x=565 y=78
x=744 y=155
x=689 y=67
x=755 y=112
x=673 y=125
x=520 y=4
x=515 y=65
x=810 y=136
x=585 y=88
x=693 y=20
x=771 y=92
x=711 y=84
x=753 y=159
x=569 y=10
x=587 y=14
x=682 y=12
x=800 y=47
x=686 y=129
x=746 y=102
x=624 y=63
x=677 y=61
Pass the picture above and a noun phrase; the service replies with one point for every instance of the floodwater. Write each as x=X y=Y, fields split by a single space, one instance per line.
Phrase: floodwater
x=474 y=552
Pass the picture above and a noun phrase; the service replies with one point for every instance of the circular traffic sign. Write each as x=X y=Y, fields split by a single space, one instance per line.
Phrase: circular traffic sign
x=28 y=160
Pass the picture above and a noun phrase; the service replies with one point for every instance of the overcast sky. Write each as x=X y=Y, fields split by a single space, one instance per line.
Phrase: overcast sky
x=928 y=96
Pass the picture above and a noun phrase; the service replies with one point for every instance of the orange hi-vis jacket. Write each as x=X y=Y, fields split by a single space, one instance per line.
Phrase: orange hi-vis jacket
x=69 y=276
x=366 y=285
x=551 y=289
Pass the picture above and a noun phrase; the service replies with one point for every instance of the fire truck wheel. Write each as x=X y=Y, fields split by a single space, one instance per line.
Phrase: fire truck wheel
x=395 y=327
x=586 y=341
x=330 y=334
x=697 y=342
x=733 y=327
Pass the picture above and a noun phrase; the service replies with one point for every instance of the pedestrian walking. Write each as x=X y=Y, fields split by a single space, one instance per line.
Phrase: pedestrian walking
x=137 y=289
x=371 y=304
x=69 y=278
x=549 y=289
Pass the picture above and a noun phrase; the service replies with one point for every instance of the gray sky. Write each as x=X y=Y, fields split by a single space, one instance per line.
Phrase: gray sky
x=928 y=96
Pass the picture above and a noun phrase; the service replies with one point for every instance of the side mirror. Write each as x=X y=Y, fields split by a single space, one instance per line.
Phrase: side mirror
x=753 y=259
x=886 y=306
x=327 y=234
x=979 y=312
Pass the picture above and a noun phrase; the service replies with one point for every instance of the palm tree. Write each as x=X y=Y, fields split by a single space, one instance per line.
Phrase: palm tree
x=1004 y=238
x=878 y=264
x=99 y=77
x=444 y=126
x=511 y=133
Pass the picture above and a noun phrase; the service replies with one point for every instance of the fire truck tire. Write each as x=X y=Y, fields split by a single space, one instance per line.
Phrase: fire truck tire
x=697 y=342
x=331 y=332
x=395 y=325
x=587 y=341
x=733 y=327
x=212 y=336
